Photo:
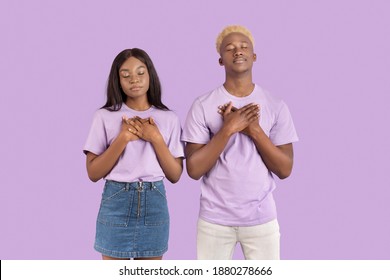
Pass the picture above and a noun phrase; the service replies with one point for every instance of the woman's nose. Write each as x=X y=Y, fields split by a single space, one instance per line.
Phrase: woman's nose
x=134 y=80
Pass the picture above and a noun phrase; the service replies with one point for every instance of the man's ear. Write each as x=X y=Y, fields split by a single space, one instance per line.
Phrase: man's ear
x=220 y=61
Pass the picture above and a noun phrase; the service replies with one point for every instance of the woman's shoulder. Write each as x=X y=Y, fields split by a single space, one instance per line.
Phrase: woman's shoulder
x=102 y=112
x=169 y=117
x=166 y=113
x=106 y=114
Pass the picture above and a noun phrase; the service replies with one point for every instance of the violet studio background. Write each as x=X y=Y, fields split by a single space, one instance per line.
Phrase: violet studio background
x=329 y=60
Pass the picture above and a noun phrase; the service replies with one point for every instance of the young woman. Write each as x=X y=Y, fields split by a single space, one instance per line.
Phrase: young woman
x=134 y=143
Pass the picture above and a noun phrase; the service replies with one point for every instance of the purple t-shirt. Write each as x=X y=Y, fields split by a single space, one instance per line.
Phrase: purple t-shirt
x=237 y=191
x=138 y=161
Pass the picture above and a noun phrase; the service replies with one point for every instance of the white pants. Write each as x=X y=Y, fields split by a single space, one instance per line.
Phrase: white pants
x=216 y=242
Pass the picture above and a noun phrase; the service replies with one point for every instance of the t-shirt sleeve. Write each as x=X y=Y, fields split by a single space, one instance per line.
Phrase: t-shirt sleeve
x=283 y=131
x=97 y=139
x=195 y=129
x=175 y=145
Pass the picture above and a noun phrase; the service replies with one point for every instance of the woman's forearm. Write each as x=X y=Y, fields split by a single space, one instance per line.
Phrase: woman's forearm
x=99 y=166
x=171 y=166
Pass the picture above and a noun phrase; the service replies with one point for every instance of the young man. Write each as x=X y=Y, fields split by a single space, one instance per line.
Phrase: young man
x=237 y=137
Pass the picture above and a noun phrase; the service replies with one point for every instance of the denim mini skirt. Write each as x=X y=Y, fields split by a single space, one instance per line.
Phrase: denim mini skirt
x=133 y=220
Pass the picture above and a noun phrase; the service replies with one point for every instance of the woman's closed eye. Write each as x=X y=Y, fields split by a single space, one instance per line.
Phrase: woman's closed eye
x=124 y=74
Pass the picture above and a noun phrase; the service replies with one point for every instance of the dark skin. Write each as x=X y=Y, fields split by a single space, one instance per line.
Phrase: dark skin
x=255 y=131
x=237 y=57
x=132 y=130
x=134 y=80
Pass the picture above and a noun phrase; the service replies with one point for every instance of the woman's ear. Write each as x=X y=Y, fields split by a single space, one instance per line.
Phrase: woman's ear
x=254 y=57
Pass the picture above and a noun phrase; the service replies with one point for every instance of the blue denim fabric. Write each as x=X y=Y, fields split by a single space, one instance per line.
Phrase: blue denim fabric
x=133 y=220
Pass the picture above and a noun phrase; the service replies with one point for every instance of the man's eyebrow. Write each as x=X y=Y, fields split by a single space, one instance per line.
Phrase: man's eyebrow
x=240 y=42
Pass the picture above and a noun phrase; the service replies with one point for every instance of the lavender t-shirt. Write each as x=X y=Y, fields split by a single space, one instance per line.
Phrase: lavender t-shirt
x=237 y=191
x=138 y=161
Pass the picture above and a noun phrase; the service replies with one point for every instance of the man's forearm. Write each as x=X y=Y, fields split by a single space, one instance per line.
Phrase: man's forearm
x=200 y=161
x=278 y=159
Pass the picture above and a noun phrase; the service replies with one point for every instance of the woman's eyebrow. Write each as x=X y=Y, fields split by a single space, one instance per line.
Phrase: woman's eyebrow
x=125 y=69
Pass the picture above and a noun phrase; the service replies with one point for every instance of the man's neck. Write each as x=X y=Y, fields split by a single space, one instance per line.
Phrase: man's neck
x=239 y=87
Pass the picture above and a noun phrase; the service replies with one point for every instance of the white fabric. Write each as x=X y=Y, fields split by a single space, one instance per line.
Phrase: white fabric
x=217 y=242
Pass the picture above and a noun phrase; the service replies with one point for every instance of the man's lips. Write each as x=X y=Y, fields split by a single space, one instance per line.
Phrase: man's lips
x=239 y=60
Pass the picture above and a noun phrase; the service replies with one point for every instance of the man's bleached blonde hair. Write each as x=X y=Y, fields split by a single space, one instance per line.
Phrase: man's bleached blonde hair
x=233 y=29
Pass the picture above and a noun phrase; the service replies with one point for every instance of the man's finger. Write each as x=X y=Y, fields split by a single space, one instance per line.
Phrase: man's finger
x=234 y=109
x=250 y=109
x=228 y=108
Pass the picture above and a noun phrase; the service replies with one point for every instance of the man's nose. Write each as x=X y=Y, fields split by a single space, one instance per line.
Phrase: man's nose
x=238 y=53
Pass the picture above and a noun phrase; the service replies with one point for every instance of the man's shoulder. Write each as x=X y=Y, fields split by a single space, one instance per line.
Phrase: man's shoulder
x=210 y=96
x=268 y=97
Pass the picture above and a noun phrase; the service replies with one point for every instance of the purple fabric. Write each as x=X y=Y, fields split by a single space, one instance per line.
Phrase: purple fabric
x=138 y=161
x=237 y=191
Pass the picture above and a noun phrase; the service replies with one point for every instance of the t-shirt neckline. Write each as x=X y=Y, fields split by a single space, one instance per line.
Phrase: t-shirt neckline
x=224 y=90
x=127 y=108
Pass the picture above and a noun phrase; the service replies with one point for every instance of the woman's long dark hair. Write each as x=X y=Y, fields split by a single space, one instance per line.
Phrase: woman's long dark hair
x=115 y=94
